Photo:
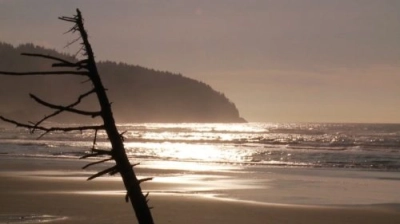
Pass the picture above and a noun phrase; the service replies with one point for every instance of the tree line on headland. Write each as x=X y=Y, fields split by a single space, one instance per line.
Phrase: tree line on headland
x=140 y=94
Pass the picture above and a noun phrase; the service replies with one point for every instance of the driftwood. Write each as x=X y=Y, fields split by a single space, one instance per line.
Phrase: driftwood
x=87 y=68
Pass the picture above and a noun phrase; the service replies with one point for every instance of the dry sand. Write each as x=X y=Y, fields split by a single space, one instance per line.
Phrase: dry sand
x=55 y=191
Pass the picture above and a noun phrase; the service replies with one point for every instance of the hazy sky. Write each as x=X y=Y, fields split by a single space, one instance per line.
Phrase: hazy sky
x=277 y=60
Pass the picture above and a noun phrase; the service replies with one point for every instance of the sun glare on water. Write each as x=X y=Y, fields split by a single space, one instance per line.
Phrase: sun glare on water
x=191 y=152
x=184 y=152
x=190 y=142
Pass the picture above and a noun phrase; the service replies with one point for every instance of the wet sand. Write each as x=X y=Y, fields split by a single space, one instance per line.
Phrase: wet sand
x=56 y=191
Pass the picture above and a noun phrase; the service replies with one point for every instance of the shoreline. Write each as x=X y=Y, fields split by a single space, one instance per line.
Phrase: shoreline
x=56 y=190
x=251 y=184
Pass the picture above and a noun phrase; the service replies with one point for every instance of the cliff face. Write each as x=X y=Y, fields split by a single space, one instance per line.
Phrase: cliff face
x=139 y=94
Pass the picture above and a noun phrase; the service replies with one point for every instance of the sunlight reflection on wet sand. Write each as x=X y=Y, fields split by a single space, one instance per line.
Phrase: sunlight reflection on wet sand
x=224 y=182
x=170 y=178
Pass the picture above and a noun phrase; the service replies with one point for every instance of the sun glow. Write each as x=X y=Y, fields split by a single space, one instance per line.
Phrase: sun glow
x=196 y=152
x=193 y=146
x=188 y=152
x=190 y=142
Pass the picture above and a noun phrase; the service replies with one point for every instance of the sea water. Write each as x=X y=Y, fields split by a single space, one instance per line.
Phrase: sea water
x=326 y=145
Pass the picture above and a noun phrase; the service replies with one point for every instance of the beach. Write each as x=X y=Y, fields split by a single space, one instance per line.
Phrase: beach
x=35 y=190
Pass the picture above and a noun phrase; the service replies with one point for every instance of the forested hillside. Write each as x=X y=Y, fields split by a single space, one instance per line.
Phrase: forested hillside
x=139 y=94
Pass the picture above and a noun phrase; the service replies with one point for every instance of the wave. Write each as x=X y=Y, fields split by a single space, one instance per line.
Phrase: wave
x=293 y=145
x=351 y=145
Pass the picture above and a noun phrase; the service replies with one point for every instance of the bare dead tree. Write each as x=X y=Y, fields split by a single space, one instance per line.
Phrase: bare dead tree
x=87 y=68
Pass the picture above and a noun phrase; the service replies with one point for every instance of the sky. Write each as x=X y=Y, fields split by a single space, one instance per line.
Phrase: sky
x=277 y=60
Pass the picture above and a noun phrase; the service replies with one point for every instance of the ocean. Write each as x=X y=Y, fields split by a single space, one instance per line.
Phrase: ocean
x=314 y=145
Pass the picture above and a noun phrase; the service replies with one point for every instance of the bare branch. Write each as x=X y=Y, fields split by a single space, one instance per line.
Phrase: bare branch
x=83 y=64
x=117 y=171
x=102 y=151
x=97 y=162
x=80 y=49
x=69 y=129
x=72 y=42
x=97 y=152
x=112 y=173
x=145 y=179
x=79 y=65
x=84 y=61
x=45 y=73
x=87 y=80
x=63 y=62
x=68 y=19
x=41 y=136
x=73 y=29
x=94 y=140
x=122 y=135
x=101 y=173
x=73 y=65
x=61 y=109
x=68 y=108
x=51 y=129
x=48 y=57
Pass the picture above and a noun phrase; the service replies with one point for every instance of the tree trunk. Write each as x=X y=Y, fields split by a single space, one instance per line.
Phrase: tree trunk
x=132 y=184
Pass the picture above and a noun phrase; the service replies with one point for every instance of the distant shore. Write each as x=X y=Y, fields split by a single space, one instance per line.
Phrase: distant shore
x=56 y=190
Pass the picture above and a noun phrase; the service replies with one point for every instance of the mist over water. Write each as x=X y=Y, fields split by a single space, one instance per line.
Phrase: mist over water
x=357 y=146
